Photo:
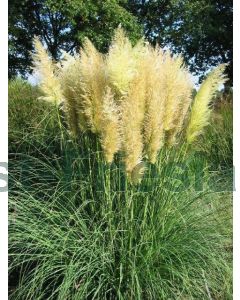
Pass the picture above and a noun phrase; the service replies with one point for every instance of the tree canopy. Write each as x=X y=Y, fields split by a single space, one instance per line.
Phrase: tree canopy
x=62 y=25
x=200 y=29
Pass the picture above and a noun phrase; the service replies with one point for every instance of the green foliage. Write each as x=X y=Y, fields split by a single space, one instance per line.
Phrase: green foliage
x=201 y=30
x=217 y=142
x=80 y=232
x=29 y=118
x=63 y=25
x=23 y=107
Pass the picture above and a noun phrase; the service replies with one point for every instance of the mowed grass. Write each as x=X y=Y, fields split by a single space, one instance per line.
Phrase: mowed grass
x=79 y=230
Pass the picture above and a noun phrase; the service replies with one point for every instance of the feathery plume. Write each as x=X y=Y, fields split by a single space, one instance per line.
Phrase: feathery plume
x=138 y=172
x=110 y=134
x=132 y=113
x=92 y=72
x=183 y=98
x=70 y=79
x=173 y=85
x=201 y=110
x=155 y=102
x=121 y=67
x=44 y=67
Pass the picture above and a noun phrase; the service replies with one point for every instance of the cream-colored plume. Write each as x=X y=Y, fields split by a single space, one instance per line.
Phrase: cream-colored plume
x=155 y=102
x=92 y=72
x=132 y=111
x=201 y=109
x=110 y=133
x=120 y=62
x=44 y=68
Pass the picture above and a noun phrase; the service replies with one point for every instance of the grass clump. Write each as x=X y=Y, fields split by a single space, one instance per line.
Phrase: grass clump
x=79 y=231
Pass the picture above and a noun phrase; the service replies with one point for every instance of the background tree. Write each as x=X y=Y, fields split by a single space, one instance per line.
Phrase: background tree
x=200 y=29
x=63 y=24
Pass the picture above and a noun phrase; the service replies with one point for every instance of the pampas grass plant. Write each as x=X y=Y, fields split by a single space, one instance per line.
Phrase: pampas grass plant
x=77 y=228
